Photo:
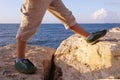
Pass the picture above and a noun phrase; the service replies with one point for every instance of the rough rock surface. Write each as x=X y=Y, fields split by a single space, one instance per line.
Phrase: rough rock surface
x=40 y=56
x=74 y=60
x=77 y=60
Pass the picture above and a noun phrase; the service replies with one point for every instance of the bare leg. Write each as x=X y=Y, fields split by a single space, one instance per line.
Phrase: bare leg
x=21 y=45
x=79 y=30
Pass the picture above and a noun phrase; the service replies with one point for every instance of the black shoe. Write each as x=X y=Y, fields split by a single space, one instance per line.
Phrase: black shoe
x=25 y=66
x=95 y=36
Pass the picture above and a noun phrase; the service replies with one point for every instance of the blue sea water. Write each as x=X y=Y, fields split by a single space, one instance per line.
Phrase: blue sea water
x=50 y=35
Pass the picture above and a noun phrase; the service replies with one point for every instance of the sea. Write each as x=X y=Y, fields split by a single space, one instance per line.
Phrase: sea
x=50 y=35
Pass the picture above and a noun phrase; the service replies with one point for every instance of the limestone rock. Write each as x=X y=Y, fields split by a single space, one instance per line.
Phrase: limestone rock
x=116 y=29
x=40 y=56
x=77 y=60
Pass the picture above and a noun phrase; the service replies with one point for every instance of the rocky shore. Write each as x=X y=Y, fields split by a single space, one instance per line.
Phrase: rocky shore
x=74 y=59
x=40 y=56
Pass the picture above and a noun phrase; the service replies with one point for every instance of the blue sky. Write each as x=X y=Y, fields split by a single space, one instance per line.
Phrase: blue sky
x=85 y=11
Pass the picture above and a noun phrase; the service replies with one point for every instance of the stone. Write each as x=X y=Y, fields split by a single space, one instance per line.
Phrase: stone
x=40 y=56
x=75 y=59
x=116 y=29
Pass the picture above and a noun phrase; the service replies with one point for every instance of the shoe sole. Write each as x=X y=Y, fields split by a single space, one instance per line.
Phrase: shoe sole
x=28 y=72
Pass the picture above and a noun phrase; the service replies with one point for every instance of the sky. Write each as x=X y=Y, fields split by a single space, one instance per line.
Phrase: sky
x=85 y=11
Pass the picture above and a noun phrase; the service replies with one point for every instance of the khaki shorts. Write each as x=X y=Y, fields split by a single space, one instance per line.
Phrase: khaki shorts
x=33 y=12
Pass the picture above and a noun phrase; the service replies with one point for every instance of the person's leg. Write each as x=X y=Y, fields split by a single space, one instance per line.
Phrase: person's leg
x=79 y=30
x=33 y=12
x=20 y=48
x=90 y=37
x=58 y=9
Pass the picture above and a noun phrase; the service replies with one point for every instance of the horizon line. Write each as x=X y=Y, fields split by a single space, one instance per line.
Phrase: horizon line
x=78 y=23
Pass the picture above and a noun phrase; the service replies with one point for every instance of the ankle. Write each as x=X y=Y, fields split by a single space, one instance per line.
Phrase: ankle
x=90 y=34
x=19 y=59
